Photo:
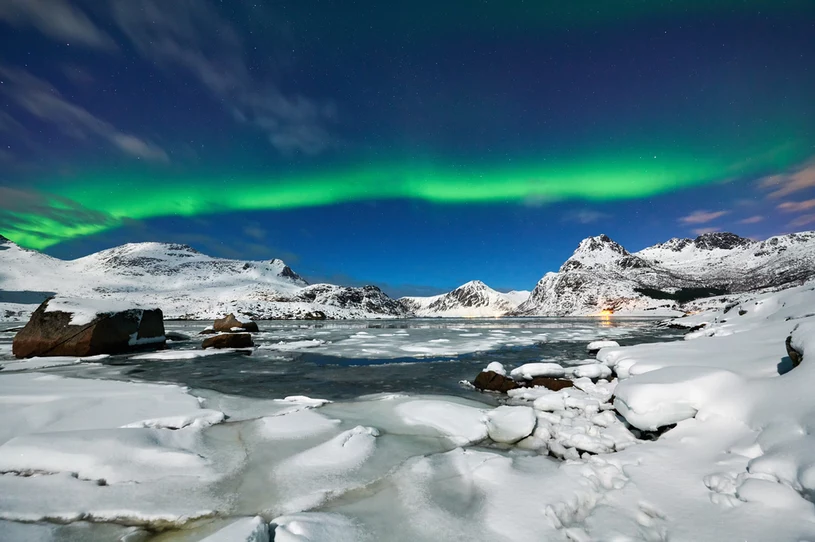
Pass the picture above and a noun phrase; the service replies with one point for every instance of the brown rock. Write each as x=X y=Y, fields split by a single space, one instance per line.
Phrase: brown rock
x=553 y=384
x=52 y=334
x=492 y=381
x=796 y=356
x=229 y=322
x=229 y=340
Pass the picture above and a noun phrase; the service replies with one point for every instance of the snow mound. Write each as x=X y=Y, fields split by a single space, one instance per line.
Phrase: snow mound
x=528 y=371
x=509 y=424
x=597 y=345
x=496 y=368
x=461 y=424
x=316 y=527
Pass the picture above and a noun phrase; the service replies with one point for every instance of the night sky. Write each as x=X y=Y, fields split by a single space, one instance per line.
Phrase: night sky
x=413 y=145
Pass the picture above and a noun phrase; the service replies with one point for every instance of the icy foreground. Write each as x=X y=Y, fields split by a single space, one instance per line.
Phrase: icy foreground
x=116 y=459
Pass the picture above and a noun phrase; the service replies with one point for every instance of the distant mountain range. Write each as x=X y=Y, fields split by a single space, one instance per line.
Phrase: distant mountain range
x=181 y=281
x=601 y=275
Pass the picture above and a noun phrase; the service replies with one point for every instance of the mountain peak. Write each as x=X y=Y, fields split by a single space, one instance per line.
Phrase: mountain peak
x=597 y=250
x=286 y=271
x=477 y=284
x=721 y=240
x=600 y=242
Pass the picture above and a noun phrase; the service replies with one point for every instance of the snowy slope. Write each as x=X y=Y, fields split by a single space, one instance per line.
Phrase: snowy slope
x=602 y=275
x=468 y=300
x=183 y=282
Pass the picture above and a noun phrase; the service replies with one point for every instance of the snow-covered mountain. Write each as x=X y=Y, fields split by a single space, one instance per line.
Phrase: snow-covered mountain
x=183 y=282
x=602 y=275
x=471 y=299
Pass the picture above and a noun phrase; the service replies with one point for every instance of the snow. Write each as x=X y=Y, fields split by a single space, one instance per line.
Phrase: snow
x=42 y=363
x=590 y=370
x=496 y=368
x=316 y=527
x=125 y=455
x=242 y=530
x=296 y=425
x=461 y=424
x=597 y=345
x=84 y=311
x=198 y=419
x=544 y=465
x=528 y=371
x=293 y=346
x=510 y=424
x=177 y=355
x=38 y=403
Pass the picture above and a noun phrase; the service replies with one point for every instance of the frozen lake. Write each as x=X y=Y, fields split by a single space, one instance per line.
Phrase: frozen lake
x=340 y=360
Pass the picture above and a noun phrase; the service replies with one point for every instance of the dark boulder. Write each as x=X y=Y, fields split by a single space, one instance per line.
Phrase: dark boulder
x=228 y=340
x=553 y=384
x=492 y=381
x=52 y=334
x=229 y=322
x=796 y=356
x=314 y=315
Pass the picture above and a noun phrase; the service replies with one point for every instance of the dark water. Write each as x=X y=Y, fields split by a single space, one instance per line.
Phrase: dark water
x=365 y=357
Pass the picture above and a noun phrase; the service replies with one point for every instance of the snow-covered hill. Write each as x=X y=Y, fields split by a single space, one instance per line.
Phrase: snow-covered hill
x=182 y=281
x=468 y=300
x=602 y=275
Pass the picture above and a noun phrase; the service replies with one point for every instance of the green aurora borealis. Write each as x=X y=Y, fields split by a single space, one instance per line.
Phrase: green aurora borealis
x=113 y=199
x=415 y=143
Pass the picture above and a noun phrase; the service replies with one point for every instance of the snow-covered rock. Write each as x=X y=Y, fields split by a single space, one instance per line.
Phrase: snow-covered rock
x=509 y=424
x=496 y=367
x=183 y=282
x=471 y=299
x=602 y=276
x=80 y=327
x=595 y=346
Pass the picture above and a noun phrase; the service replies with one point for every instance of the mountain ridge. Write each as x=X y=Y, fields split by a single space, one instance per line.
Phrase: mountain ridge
x=184 y=282
x=601 y=275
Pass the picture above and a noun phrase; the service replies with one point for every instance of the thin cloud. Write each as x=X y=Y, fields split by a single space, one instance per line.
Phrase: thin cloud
x=40 y=99
x=190 y=36
x=56 y=19
x=585 y=216
x=803 y=220
x=751 y=220
x=784 y=184
x=702 y=217
x=797 y=206
x=702 y=231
